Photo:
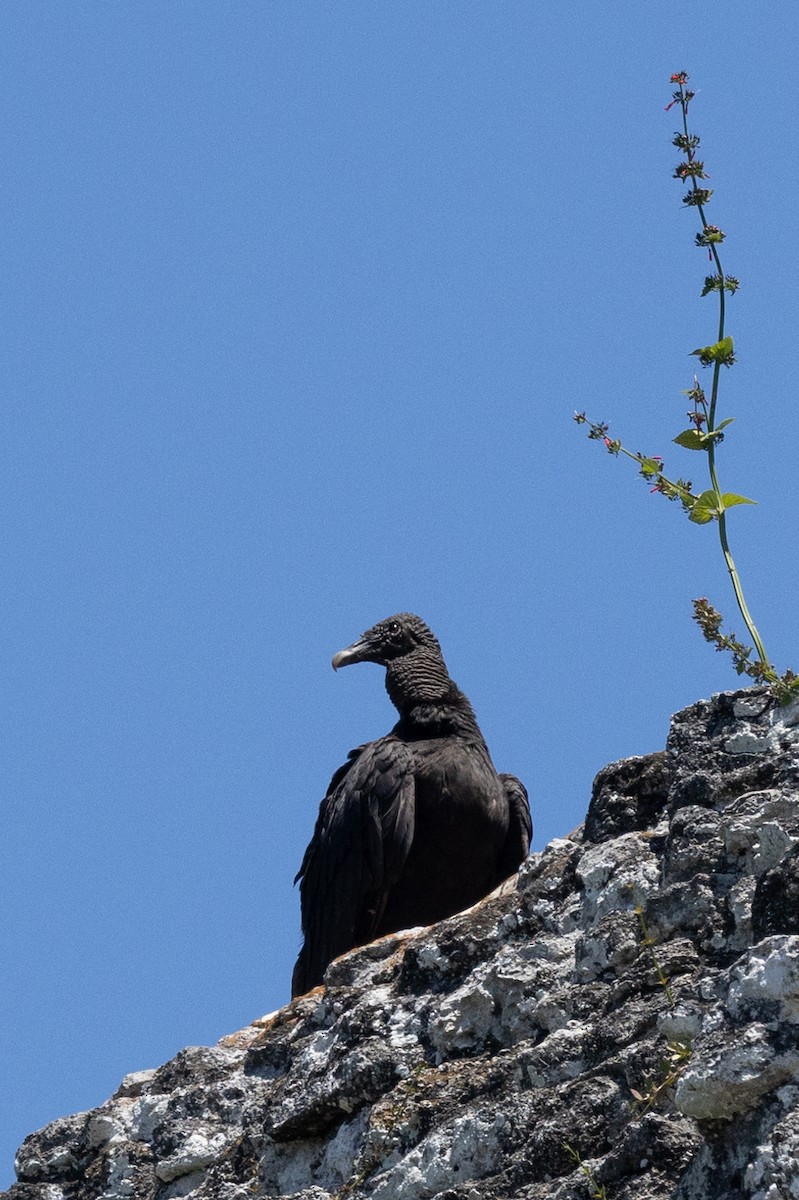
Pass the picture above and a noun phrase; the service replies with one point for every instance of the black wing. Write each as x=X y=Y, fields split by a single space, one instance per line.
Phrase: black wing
x=520 y=827
x=360 y=843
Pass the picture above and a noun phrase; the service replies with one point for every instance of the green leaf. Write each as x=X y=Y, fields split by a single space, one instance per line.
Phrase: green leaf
x=729 y=500
x=705 y=509
x=719 y=352
x=691 y=439
x=700 y=516
x=694 y=439
x=710 y=506
x=723 y=424
x=650 y=467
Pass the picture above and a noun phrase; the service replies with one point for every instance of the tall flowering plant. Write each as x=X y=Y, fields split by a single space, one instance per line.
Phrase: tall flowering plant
x=705 y=432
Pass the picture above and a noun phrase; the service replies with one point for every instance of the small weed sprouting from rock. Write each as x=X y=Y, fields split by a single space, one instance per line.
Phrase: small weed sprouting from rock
x=648 y=943
x=597 y=1191
x=678 y=1050
x=678 y=1055
x=704 y=432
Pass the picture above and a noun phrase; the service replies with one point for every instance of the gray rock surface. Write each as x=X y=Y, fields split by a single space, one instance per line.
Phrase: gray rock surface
x=620 y=1021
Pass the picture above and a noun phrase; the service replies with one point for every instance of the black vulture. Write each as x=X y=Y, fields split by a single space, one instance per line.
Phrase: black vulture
x=415 y=826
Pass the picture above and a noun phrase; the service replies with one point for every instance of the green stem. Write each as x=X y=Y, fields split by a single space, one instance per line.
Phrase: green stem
x=599 y=433
x=739 y=595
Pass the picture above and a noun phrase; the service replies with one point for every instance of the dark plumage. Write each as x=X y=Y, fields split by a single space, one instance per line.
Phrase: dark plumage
x=415 y=826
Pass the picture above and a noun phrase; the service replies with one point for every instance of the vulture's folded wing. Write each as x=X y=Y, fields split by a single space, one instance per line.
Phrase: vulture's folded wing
x=520 y=827
x=361 y=841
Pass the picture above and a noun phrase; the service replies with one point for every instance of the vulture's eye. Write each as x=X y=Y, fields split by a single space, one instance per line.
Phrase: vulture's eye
x=394 y=627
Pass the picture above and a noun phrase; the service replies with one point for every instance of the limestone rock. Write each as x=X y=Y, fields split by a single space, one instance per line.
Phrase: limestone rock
x=624 y=1015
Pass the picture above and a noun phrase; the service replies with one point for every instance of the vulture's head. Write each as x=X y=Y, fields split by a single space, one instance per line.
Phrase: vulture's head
x=389 y=640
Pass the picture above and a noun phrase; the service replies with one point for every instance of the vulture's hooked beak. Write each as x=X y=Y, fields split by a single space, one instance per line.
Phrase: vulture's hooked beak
x=359 y=651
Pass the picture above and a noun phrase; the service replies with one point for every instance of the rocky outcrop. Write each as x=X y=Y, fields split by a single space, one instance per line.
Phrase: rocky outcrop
x=621 y=1021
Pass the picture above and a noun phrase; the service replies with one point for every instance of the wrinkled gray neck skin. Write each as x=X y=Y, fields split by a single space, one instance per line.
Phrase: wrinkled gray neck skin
x=424 y=695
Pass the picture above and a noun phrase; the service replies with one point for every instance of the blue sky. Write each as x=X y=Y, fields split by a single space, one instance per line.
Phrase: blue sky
x=297 y=303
